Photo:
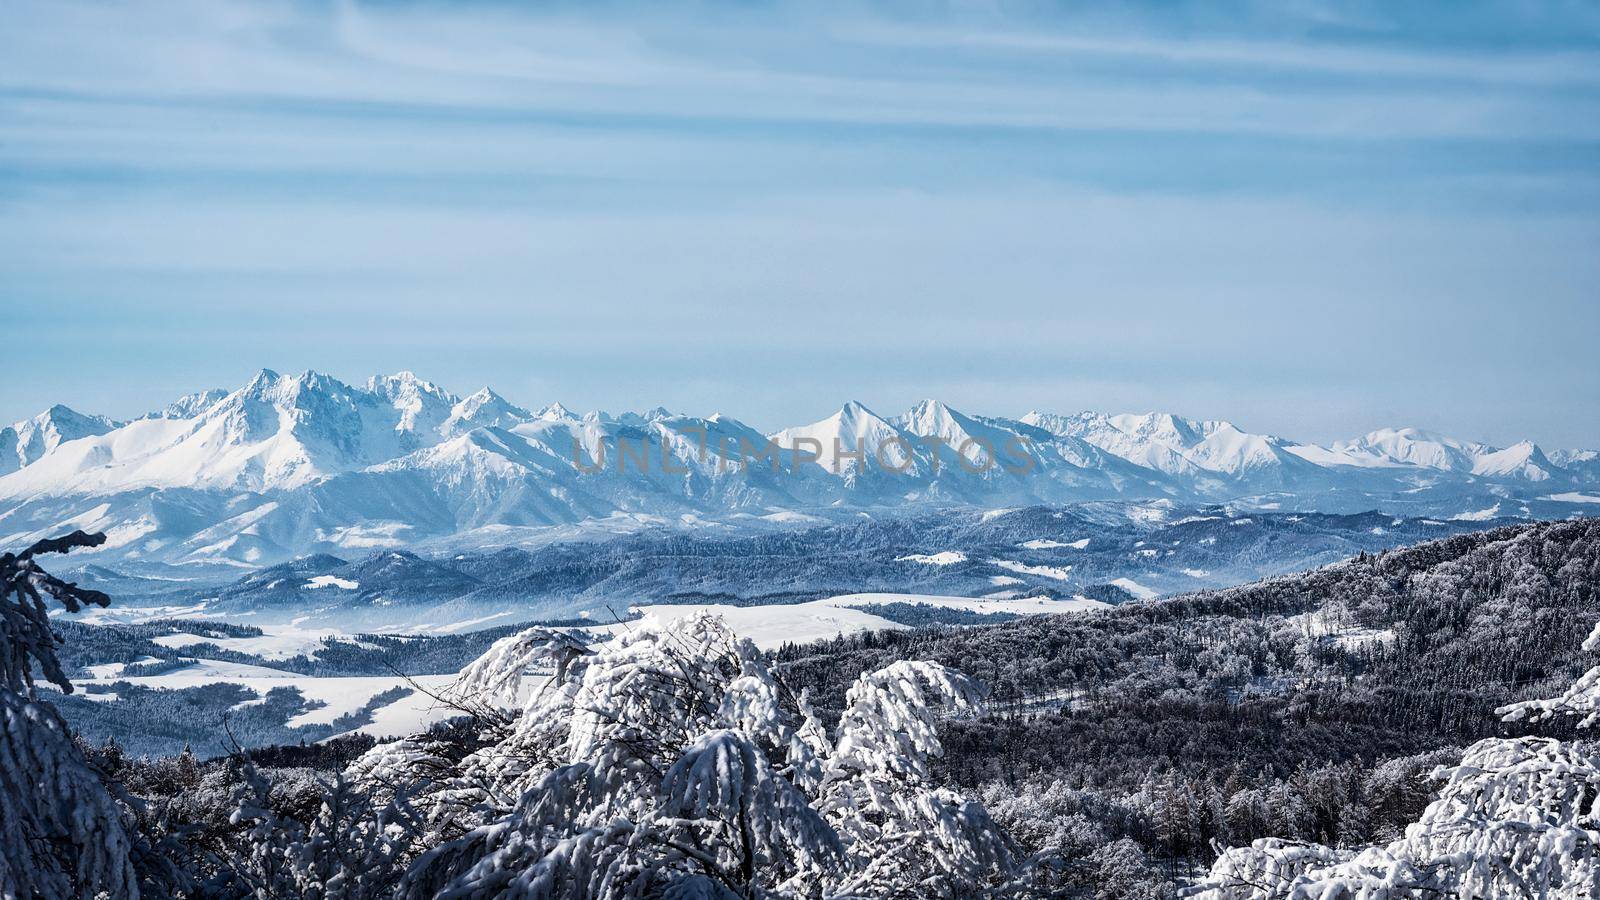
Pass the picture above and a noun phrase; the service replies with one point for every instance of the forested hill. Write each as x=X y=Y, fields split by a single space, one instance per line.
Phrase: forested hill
x=1128 y=743
x=1406 y=648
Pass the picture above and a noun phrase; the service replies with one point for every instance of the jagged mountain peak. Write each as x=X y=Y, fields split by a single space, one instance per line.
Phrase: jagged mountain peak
x=930 y=414
x=855 y=429
x=264 y=376
x=556 y=411
x=30 y=439
x=1522 y=460
x=935 y=418
x=189 y=405
x=483 y=408
x=59 y=415
x=424 y=407
x=1175 y=430
x=648 y=417
x=286 y=463
x=855 y=409
x=268 y=386
x=406 y=384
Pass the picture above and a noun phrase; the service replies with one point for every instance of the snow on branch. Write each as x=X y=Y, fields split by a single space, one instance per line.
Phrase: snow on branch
x=61 y=832
x=25 y=635
x=669 y=761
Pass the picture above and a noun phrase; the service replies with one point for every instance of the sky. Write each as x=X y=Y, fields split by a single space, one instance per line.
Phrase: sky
x=1312 y=219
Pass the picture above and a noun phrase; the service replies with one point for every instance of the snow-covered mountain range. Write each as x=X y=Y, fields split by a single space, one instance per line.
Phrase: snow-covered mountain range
x=294 y=464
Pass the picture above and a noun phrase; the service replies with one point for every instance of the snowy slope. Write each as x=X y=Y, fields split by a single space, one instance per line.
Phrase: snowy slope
x=837 y=440
x=27 y=441
x=1415 y=447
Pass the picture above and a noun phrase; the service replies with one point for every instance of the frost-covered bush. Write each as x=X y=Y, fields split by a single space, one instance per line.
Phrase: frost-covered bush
x=668 y=761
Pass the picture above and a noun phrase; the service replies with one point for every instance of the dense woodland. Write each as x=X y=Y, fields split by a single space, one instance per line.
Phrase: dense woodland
x=1115 y=755
x=1309 y=706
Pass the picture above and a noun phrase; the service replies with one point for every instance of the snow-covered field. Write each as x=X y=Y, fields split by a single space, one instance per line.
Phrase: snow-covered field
x=943 y=558
x=767 y=626
x=773 y=626
x=1026 y=606
x=1135 y=588
x=1060 y=573
x=1574 y=497
x=1039 y=544
x=1349 y=636
x=279 y=642
x=340 y=695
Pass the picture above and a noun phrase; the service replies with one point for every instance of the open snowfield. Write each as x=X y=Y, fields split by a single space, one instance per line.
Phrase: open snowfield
x=1054 y=545
x=773 y=626
x=340 y=695
x=279 y=642
x=1024 y=606
x=1318 y=624
x=1135 y=588
x=767 y=626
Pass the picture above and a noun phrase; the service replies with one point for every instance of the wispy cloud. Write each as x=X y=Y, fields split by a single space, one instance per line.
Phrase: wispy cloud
x=1133 y=193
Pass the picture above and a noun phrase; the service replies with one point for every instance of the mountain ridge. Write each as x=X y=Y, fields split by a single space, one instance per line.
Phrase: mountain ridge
x=290 y=464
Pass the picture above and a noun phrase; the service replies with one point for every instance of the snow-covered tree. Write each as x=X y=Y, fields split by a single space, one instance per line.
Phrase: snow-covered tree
x=356 y=848
x=61 y=832
x=1517 y=817
x=670 y=761
x=1582 y=699
x=902 y=830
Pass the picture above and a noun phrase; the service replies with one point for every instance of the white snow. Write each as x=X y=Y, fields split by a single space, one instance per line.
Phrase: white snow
x=279 y=641
x=1060 y=573
x=853 y=429
x=1054 y=545
x=790 y=517
x=773 y=626
x=340 y=694
x=107 y=671
x=1317 y=624
x=322 y=581
x=1025 y=606
x=1573 y=497
x=260 y=454
x=1482 y=515
x=1134 y=588
x=1196 y=573
x=468 y=624
x=944 y=558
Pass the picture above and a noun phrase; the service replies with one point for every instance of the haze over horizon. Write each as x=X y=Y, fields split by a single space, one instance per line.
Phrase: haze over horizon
x=1311 y=221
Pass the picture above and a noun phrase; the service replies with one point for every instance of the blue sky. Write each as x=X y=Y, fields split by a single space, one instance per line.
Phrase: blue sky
x=1313 y=219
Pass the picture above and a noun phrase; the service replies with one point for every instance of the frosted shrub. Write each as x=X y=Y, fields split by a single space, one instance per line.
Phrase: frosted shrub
x=670 y=761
